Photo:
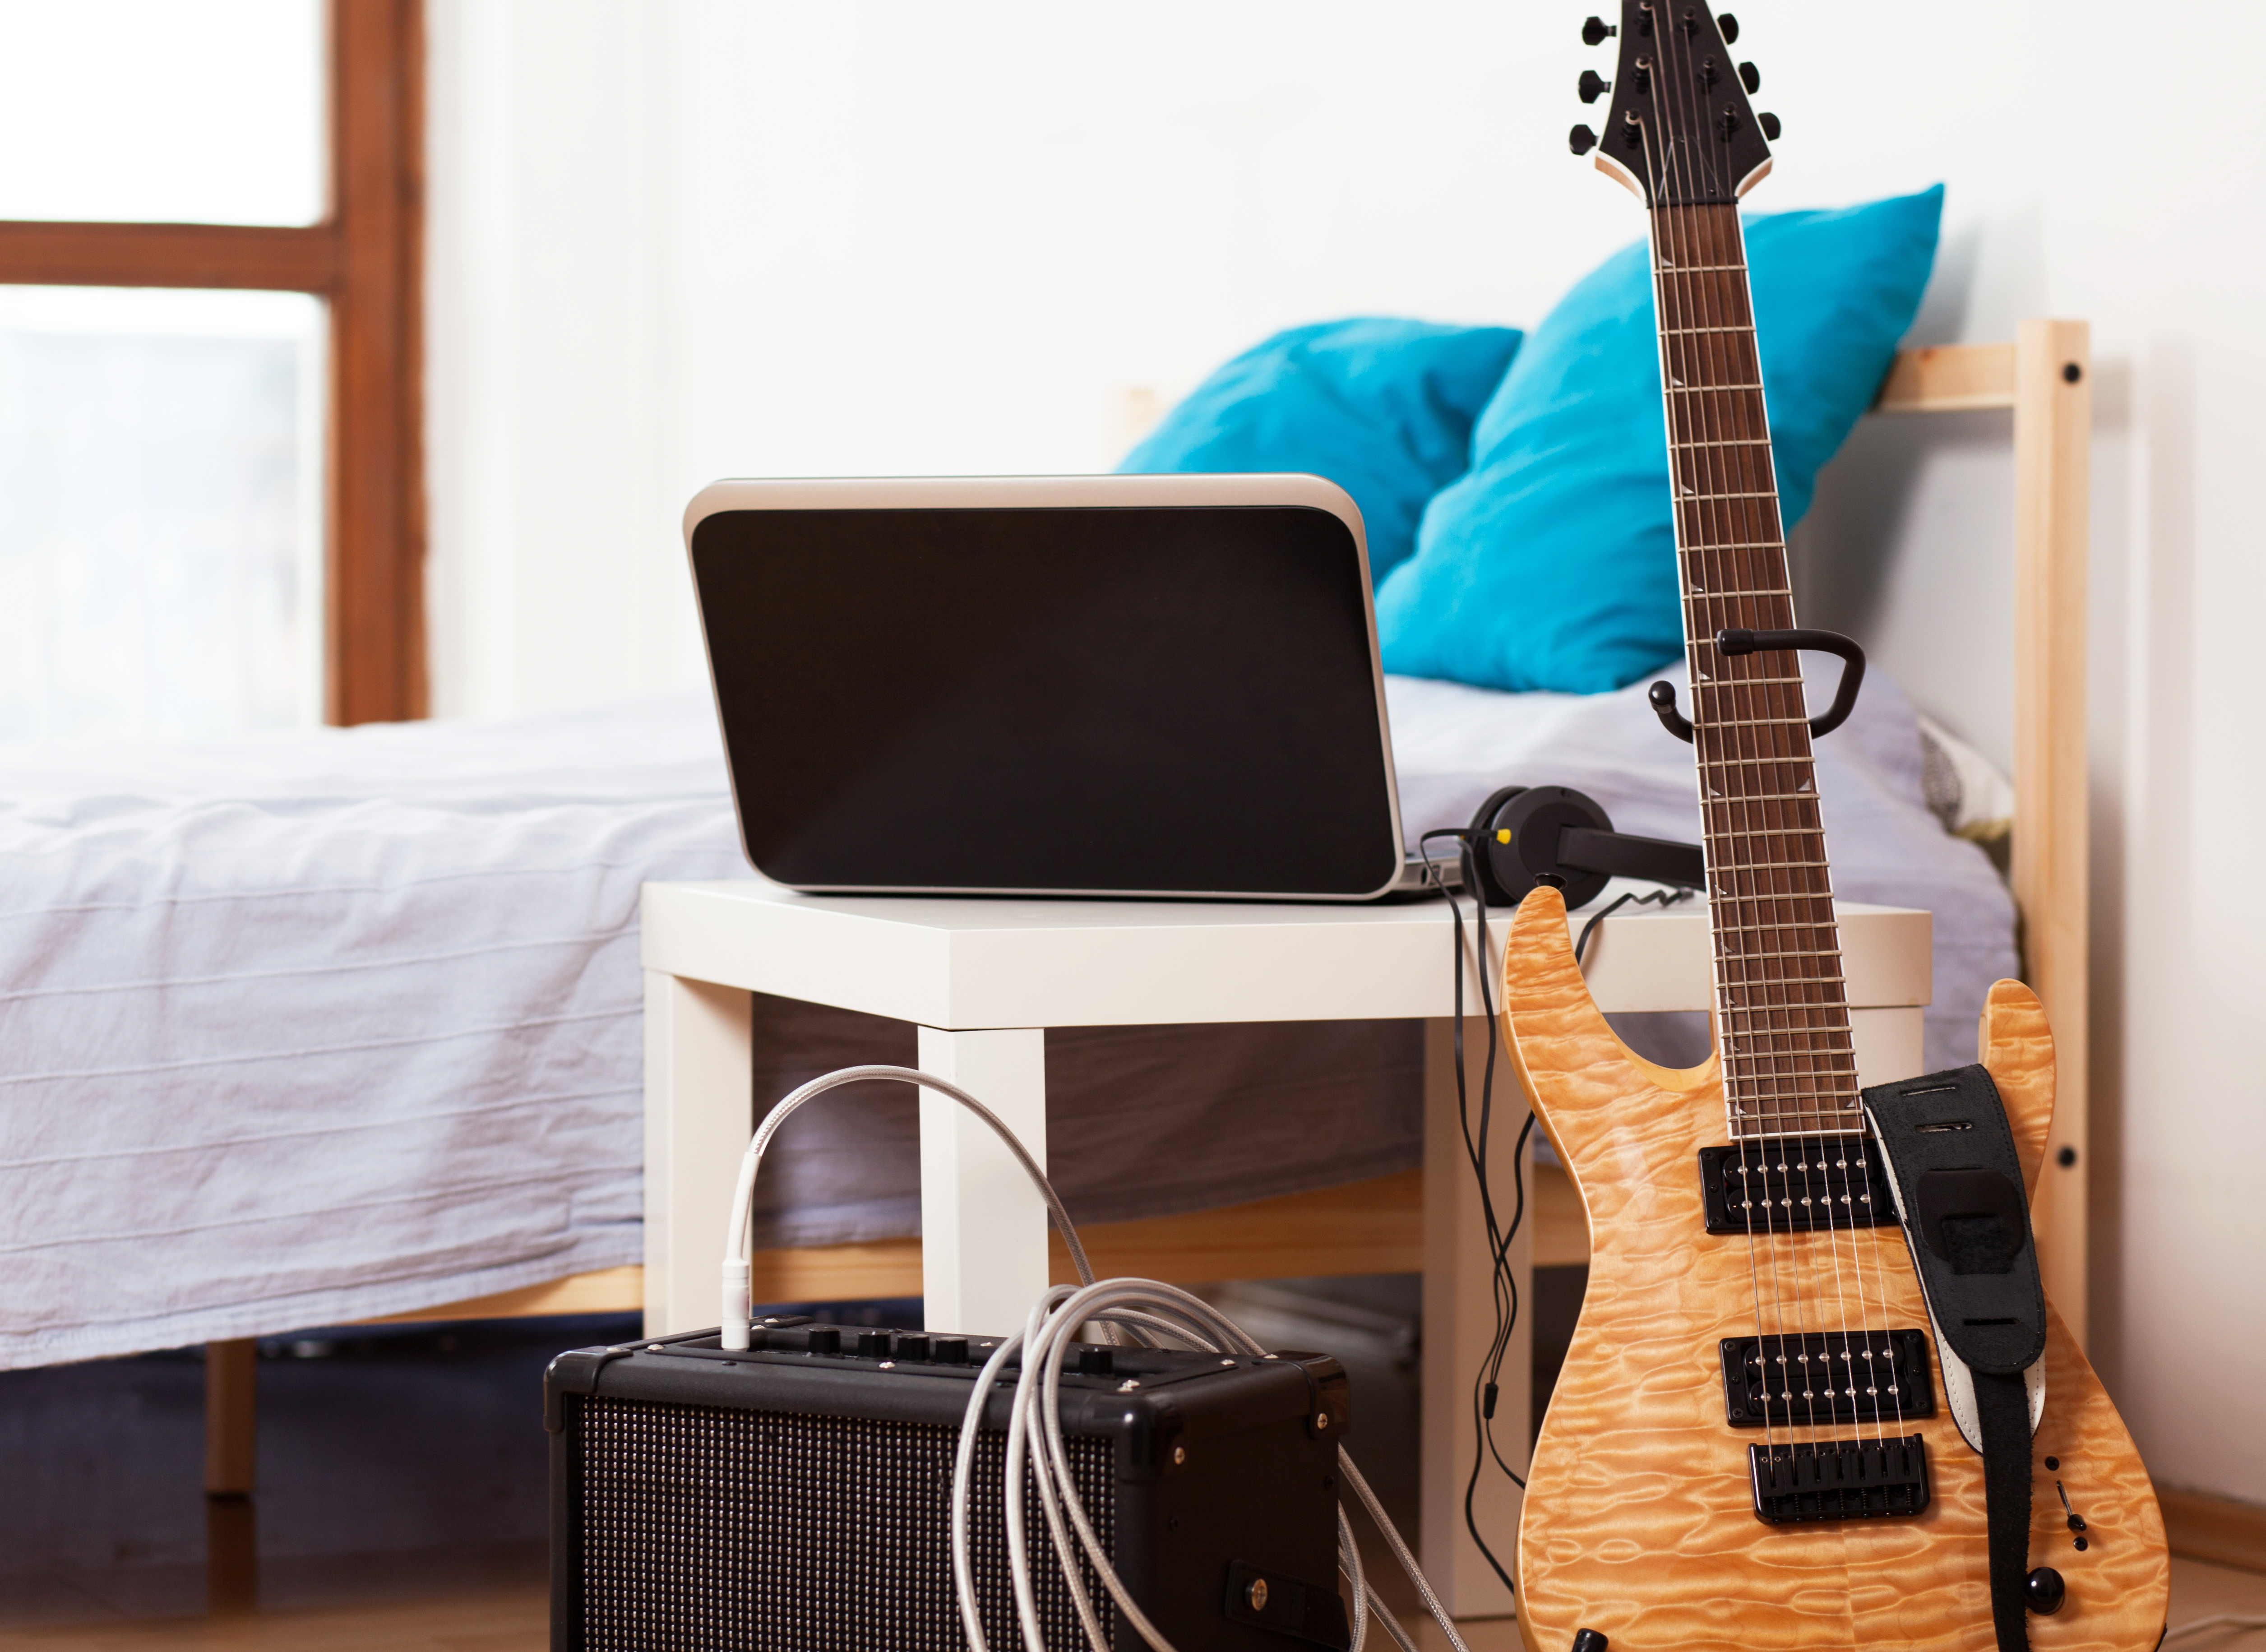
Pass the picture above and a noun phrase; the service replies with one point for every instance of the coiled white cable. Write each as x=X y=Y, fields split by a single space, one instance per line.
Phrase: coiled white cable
x=733 y=1317
x=1034 y=1436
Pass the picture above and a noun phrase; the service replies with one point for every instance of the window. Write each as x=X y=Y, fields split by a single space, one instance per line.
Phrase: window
x=210 y=491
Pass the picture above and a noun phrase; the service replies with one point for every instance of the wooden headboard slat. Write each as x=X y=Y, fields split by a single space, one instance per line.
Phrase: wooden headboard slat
x=1948 y=378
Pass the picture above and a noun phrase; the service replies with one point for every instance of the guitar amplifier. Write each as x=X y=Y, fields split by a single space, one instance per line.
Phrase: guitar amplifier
x=796 y=1496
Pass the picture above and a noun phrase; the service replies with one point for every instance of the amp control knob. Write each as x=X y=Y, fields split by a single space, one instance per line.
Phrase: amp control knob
x=873 y=1345
x=950 y=1351
x=1096 y=1362
x=823 y=1339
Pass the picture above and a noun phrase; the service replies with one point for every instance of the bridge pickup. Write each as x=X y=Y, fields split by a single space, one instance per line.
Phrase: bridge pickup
x=1840 y=1480
x=1792 y=1184
x=1826 y=1376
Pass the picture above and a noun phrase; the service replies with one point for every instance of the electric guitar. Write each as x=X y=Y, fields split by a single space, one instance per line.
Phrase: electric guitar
x=1752 y=1444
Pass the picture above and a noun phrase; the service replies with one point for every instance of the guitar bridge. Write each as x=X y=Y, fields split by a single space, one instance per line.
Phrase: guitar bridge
x=1840 y=1480
x=1826 y=1376
x=1795 y=1184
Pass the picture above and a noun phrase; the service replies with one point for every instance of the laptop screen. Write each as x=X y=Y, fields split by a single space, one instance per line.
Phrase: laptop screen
x=1116 y=699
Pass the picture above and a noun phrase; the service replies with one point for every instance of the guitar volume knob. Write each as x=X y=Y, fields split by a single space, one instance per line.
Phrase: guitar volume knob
x=2044 y=1592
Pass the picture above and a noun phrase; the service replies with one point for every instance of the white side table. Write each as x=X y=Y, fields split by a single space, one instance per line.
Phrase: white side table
x=983 y=979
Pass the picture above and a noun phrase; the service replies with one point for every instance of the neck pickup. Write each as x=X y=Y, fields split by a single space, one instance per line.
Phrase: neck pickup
x=1793 y=1184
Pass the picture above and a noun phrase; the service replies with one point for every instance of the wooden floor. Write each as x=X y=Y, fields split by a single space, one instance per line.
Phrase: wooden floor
x=514 y=1620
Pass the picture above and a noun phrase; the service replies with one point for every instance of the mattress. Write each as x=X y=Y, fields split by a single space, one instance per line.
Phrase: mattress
x=297 y=1029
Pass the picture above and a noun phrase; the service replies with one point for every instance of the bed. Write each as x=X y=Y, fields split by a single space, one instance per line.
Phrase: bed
x=321 y=1027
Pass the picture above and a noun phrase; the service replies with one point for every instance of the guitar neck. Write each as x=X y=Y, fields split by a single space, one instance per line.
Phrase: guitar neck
x=1782 y=1015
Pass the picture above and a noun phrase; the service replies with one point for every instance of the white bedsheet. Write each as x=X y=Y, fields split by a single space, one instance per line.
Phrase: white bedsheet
x=305 y=1028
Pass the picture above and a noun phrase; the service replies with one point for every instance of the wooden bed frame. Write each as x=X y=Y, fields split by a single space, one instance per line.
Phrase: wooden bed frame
x=1378 y=1226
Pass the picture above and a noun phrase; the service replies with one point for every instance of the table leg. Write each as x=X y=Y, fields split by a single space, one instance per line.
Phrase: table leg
x=1460 y=1324
x=983 y=1226
x=1889 y=1044
x=699 y=1111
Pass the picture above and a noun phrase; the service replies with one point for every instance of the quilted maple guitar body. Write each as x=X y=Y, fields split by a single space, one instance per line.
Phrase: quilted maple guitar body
x=1639 y=1520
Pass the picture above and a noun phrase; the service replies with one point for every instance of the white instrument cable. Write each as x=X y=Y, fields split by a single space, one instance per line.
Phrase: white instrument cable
x=1035 y=1448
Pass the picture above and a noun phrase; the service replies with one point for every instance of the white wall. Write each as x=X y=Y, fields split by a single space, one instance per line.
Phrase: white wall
x=674 y=241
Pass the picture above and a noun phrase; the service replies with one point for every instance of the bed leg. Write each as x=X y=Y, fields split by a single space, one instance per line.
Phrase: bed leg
x=232 y=1417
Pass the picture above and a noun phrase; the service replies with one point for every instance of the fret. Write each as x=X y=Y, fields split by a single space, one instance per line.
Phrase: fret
x=1774 y=954
x=1707 y=682
x=1747 y=327
x=1693 y=496
x=1701 y=269
x=1729 y=762
x=1753 y=545
x=1748 y=722
x=1728 y=442
x=1763 y=796
x=1676 y=387
x=1737 y=929
x=1774 y=865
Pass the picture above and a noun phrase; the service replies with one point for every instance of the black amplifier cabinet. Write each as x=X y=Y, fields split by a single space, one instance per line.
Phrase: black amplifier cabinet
x=796 y=1497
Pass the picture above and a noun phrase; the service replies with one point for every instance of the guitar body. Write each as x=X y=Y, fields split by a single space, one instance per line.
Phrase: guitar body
x=1639 y=1521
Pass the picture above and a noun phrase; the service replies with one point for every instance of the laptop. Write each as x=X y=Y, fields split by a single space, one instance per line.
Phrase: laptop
x=1157 y=686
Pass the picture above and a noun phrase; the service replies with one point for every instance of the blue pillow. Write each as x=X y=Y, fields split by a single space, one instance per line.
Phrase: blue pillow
x=1552 y=563
x=1382 y=408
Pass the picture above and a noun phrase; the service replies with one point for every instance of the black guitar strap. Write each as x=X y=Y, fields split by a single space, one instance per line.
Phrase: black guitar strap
x=1957 y=1182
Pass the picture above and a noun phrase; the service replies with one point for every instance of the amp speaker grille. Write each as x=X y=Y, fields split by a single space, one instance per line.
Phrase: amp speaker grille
x=721 y=1530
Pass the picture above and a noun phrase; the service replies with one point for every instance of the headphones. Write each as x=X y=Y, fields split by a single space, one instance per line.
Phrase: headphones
x=1526 y=835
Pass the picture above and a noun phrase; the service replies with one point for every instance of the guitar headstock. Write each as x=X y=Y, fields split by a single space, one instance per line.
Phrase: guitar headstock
x=1679 y=131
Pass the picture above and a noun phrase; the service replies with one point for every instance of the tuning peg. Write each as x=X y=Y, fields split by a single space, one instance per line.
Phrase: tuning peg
x=1580 y=140
x=1769 y=123
x=1595 y=30
x=1750 y=78
x=1592 y=86
x=1728 y=26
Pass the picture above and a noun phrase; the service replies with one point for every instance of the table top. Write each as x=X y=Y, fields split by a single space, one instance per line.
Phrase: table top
x=965 y=963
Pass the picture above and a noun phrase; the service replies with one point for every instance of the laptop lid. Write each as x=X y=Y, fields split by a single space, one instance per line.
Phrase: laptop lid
x=1125 y=685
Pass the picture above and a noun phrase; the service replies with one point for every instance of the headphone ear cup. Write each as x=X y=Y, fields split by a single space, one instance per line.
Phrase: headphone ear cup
x=1518 y=843
x=1484 y=848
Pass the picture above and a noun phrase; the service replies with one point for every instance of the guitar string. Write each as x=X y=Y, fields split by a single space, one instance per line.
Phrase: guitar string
x=1836 y=1143
x=1709 y=415
x=1727 y=491
x=1779 y=754
x=1702 y=412
x=1817 y=1177
x=1661 y=227
x=1741 y=503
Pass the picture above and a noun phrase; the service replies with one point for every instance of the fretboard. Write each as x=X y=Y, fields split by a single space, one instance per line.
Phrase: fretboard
x=1782 y=1017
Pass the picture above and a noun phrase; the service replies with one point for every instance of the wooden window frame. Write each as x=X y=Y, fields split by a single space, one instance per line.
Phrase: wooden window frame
x=366 y=260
